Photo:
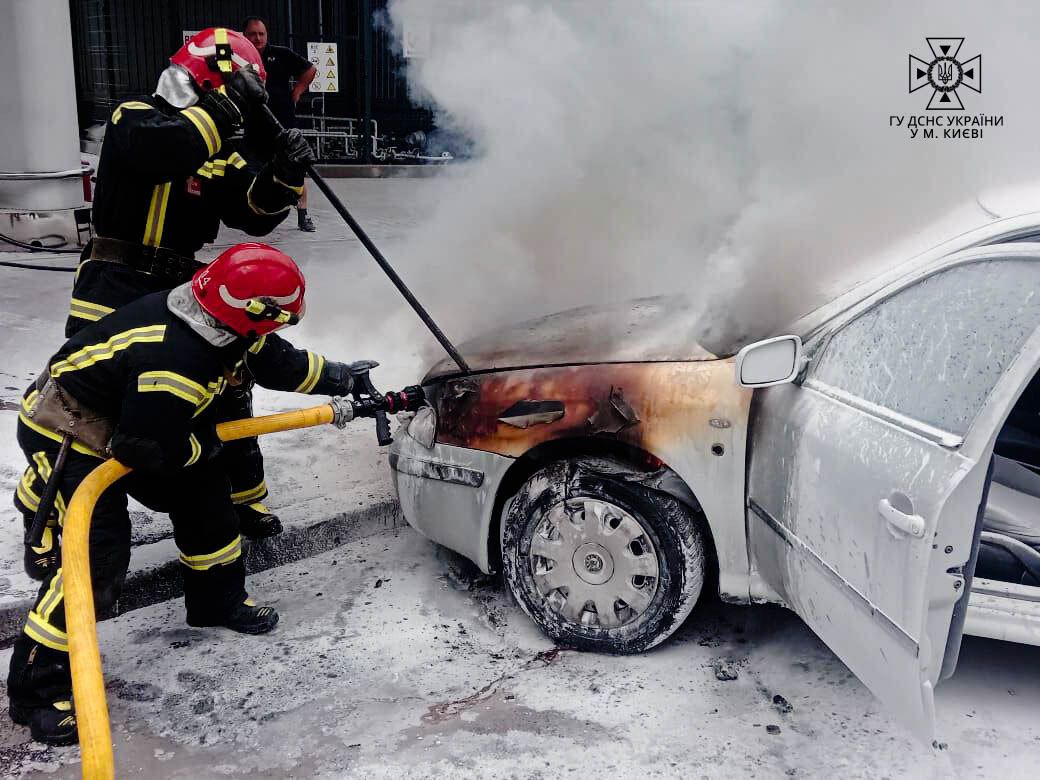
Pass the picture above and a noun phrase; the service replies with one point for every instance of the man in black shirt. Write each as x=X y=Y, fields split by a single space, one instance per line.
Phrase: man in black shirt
x=282 y=65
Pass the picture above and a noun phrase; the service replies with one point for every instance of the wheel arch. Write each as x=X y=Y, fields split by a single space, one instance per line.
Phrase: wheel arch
x=627 y=455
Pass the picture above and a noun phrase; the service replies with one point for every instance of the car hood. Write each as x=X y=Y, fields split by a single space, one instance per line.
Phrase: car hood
x=647 y=329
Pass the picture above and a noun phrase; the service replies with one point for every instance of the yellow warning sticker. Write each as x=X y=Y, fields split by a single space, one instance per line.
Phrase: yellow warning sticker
x=331 y=74
x=331 y=62
x=331 y=87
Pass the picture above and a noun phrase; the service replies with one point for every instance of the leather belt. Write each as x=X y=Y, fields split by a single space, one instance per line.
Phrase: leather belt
x=155 y=260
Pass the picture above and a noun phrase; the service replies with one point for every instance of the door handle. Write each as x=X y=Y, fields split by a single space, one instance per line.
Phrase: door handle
x=901 y=521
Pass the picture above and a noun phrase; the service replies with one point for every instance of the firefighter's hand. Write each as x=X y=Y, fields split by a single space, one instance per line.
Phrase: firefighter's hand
x=293 y=148
x=246 y=88
x=224 y=112
x=206 y=436
x=339 y=376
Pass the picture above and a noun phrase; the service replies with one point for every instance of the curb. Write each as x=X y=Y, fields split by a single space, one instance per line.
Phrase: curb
x=151 y=583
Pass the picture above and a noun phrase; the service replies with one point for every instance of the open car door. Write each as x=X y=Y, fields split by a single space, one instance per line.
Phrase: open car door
x=865 y=482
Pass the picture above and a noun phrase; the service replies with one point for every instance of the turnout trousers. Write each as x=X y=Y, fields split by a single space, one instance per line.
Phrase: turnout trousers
x=205 y=529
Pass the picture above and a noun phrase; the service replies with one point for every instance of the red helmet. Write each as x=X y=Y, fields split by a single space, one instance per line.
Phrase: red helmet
x=214 y=54
x=251 y=288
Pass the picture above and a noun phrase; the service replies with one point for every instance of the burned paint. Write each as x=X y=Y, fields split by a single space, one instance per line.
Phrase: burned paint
x=653 y=406
x=524 y=414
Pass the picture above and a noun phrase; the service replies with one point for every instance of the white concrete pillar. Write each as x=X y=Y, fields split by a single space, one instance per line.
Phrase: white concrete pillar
x=39 y=131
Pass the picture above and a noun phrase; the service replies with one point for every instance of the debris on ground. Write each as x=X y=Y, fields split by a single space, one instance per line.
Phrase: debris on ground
x=782 y=705
x=724 y=670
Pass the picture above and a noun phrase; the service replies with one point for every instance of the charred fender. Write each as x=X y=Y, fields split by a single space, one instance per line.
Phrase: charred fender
x=691 y=416
x=653 y=406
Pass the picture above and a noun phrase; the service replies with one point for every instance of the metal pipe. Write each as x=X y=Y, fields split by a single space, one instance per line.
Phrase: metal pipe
x=88 y=684
x=73 y=173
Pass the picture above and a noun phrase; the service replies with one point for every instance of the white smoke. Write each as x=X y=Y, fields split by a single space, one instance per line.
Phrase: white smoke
x=737 y=152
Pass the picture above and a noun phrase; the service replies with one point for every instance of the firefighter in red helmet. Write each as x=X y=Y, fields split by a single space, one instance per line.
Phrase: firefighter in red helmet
x=147 y=379
x=169 y=174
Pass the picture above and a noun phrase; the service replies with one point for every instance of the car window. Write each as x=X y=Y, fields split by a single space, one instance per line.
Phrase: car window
x=933 y=351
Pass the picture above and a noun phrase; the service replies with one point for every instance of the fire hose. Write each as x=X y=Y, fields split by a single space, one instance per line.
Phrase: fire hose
x=88 y=684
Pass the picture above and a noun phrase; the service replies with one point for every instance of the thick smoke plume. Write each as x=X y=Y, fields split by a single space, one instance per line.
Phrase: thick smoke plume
x=739 y=153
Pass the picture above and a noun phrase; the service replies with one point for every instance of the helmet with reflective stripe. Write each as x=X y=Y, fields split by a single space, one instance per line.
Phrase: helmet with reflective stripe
x=252 y=289
x=214 y=54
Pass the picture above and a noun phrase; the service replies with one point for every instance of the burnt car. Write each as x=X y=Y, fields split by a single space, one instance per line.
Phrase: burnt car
x=875 y=469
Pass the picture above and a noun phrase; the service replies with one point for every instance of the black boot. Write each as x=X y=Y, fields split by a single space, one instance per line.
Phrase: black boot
x=217 y=597
x=245 y=618
x=53 y=725
x=305 y=223
x=256 y=521
x=41 y=561
x=39 y=686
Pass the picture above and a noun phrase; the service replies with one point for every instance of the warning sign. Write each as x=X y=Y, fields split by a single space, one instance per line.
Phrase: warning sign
x=324 y=56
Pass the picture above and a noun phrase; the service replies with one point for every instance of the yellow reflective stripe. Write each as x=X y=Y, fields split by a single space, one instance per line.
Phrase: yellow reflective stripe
x=29 y=400
x=315 y=365
x=258 y=344
x=213 y=389
x=52 y=598
x=237 y=160
x=153 y=226
x=196 y=450
x=251 y=495
x=25 y=492
x=170 y=382
x=46 y=542
x=85 y=310
x=256 y=209
x=297 y=190
x=220 y=36
x=131 y=104
x=205 y=125
x=43 y=468
x=50 y=636
x=205 y=172
x=224 y=555
x=94 y=353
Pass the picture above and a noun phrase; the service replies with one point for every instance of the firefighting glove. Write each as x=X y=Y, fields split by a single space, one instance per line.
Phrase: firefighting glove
x=338 y=378
x=225 y=114
x=247 y=89
x=293 y=156
x=208 y=441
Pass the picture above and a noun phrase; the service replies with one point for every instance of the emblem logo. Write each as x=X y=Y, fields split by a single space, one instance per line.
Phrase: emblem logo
x=945 y=74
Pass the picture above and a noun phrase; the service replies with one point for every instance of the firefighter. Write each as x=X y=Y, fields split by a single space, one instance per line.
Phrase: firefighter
x=141 y=385
x=169 y=174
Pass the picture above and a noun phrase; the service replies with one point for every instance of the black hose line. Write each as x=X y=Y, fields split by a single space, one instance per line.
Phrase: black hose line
x=34 y=248
x=30 y=267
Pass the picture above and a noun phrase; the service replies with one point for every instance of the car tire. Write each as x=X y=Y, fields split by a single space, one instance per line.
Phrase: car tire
x=633 y=559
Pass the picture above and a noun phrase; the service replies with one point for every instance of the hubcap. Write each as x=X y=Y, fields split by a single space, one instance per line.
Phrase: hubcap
x=593 y=563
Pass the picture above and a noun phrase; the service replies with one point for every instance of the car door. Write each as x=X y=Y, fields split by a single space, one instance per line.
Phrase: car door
x=865 y=480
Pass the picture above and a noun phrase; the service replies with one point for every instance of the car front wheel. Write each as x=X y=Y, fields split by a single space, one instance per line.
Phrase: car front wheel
x=599 y=562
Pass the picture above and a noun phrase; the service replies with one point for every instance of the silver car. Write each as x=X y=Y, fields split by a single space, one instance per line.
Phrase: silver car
x=876 y=470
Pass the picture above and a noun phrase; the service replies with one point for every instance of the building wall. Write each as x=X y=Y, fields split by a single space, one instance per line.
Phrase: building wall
x=121 y=46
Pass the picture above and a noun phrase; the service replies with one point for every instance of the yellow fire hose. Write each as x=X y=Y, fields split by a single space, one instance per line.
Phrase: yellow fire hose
x=88 y=685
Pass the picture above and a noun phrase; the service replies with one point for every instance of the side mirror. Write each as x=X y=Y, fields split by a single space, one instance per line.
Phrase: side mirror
x=775 y=361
